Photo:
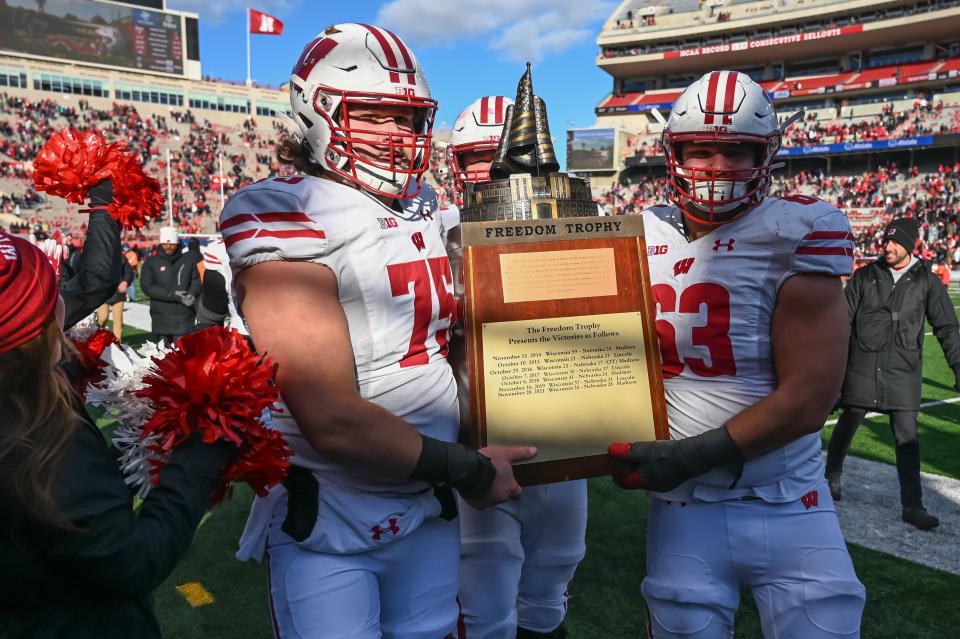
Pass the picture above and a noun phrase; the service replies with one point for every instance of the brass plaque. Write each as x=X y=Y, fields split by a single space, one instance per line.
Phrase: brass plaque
x=556 y=275
x=578 y=383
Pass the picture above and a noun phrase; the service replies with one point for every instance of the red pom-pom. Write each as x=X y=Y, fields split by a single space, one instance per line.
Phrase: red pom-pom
x=213 y=383
x=88 y=357
x=72 y=161
x=137 y=197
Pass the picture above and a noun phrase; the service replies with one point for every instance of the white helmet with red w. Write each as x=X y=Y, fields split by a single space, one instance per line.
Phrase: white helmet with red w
x=351 y=65
x=722 y=106
x=478 y=128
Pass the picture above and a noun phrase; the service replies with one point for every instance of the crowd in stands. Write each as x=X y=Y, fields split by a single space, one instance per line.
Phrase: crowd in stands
x=197 y=146
x=887 y=192
x=926 y=118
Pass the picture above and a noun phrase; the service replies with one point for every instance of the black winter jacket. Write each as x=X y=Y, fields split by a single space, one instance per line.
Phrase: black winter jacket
x=162 y=276
x=885 y=361
x=97 y=582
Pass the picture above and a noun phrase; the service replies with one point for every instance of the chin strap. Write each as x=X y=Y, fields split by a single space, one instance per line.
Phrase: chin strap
x=789 y=121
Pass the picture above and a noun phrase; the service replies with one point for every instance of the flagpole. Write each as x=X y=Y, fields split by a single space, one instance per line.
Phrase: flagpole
x=222 y=201
x=249 y=79
x=169 y=190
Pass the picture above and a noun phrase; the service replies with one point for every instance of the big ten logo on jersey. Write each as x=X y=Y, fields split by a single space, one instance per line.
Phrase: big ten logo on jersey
x=388 y=222
x=657 y=250
x=685 y=307
x=430 y=282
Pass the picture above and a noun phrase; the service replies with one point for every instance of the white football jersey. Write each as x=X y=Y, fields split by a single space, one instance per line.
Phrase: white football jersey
x=396 y=290
x=714 y=300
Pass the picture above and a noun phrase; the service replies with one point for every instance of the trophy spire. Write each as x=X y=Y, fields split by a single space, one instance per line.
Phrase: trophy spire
x=525 y=144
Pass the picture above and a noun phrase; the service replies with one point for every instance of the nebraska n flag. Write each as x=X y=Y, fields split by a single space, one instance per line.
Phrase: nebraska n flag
x=263 y=23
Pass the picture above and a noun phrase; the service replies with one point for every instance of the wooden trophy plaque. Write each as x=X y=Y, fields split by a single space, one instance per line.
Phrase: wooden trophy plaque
x=561 y=341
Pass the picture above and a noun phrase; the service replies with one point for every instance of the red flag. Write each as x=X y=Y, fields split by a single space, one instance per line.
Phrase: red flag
x=264 y=23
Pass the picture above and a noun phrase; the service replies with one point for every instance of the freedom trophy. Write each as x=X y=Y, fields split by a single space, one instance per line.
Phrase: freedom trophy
x=560 y=341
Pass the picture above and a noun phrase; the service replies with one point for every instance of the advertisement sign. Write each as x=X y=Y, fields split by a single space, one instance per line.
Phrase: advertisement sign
x=87 y=31
x=852 y=147
x=775 y=41
x=591 y=150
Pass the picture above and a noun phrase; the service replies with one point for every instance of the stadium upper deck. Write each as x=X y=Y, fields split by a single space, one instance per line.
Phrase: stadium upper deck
x=231 y=104
x=645 y=39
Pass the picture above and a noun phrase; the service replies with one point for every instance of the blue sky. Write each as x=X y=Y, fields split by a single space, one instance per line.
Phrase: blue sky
x=468 y=48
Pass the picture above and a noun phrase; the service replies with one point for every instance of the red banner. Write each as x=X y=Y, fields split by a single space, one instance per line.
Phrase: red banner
x=766 y=42
x=264 y=23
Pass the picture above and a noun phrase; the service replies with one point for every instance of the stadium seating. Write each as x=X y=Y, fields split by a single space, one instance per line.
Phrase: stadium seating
x=892 y=75
x=195 y=144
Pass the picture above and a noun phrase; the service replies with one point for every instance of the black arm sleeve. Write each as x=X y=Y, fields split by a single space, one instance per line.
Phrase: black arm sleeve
x=943 y=318
x=119 y=551
x=215 y=297
x=98 y=269
x=195 y=285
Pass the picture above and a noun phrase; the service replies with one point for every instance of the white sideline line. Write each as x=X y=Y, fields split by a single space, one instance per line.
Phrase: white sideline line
x=939 y=402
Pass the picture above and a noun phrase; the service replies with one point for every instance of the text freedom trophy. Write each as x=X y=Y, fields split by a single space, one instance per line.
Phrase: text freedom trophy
x=560 y=344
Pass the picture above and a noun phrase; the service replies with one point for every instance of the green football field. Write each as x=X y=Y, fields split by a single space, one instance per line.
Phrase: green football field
x=213 y=595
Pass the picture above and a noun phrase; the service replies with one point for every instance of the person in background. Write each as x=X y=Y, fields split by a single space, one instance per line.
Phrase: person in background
x=76 y=560
x=888 y=301
x=172 y=282
x=133 y=259
x=114 y=305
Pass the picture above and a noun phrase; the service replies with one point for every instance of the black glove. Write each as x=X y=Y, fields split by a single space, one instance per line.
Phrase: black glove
x=665 y=464
x=452 y=464
x=956 y=380
x=101 y=193
x=185 y=298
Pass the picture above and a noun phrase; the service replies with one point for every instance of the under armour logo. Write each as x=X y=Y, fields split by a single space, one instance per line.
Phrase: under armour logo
x=729 y=244
x=811 y=500
x=683 y=266
x=427 y=215
x=418 y=241
x=391 y=528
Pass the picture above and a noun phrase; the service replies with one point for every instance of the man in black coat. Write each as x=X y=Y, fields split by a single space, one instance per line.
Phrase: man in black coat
x=888 y=301
x=171 y=281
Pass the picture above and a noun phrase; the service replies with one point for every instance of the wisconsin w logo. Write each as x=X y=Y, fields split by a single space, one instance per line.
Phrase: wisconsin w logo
x=683 y=266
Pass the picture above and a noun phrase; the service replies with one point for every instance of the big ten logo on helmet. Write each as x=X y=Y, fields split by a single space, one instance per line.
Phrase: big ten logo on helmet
x=407 y=91
x=387 y=222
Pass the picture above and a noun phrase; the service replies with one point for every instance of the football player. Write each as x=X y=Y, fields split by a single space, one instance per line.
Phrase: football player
x=361 y=540
x=753 y=331
x=517 y=558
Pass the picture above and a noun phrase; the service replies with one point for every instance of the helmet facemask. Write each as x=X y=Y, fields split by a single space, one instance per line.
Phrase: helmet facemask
x=458 y=163
x=716 y=196
x=401 y=158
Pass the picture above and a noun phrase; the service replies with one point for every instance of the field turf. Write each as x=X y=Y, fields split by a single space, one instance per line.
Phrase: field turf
x=904 y=600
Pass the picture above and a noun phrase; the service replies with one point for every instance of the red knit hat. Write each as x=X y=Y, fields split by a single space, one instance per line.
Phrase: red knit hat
x=28 y=292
